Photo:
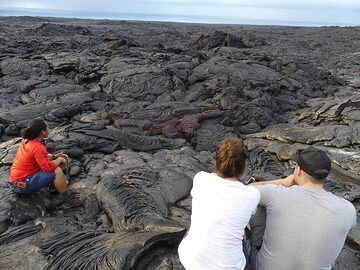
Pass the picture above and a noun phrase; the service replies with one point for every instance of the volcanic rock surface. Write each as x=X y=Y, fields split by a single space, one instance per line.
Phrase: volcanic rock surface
x=140 y=108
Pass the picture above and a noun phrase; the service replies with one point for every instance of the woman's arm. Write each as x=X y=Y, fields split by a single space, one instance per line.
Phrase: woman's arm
x=43 y=160
x=58 y=161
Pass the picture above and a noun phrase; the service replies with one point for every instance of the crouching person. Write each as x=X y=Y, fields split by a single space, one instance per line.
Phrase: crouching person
x=33 y=167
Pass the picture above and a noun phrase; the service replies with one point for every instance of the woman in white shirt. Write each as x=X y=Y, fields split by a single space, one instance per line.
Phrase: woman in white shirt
x=221 y=209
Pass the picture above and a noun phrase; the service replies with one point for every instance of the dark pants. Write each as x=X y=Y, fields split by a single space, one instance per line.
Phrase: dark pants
x=257 y=222
x=35 y=182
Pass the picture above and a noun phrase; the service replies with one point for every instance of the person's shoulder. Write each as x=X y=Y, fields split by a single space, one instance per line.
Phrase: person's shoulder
x=202 y=174
x=272 y=188
x=347 y=209
x=272 y=192
x=35 y=142
x=36 y=145
x=345 y=204
x=200 y=181
x=342 y=205
x=254 y=192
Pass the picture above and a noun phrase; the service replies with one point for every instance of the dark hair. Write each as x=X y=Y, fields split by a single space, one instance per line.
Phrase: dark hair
x=230 y=158
x=321 y=174
x=34 y=129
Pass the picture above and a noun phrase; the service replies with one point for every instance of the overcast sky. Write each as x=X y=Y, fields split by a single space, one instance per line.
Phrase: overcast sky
x=295 y=12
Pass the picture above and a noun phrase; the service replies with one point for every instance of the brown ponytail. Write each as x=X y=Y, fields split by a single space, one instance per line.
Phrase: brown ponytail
x=230 y=158
x=33 y=129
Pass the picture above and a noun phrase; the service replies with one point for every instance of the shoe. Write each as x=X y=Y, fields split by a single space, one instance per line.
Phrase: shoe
x=52 y=190
x=73 y=199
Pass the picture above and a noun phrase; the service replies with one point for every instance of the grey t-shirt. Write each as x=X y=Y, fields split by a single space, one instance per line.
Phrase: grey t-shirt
x=305 y=228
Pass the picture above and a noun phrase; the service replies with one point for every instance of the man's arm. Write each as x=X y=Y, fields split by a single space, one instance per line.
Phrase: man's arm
x=286 y=182
x=269 y=189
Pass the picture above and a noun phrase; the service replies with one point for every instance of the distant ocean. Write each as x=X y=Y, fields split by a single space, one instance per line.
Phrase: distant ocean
x=153 y=17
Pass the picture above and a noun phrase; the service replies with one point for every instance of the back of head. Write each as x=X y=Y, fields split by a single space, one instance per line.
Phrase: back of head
x=230 y=158
x=314 y=162
x=34 y=128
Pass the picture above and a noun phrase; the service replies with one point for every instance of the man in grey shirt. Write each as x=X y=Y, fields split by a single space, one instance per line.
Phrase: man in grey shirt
x=306 y=226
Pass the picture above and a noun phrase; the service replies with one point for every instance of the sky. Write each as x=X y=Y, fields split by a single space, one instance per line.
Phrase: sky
x=278 y=12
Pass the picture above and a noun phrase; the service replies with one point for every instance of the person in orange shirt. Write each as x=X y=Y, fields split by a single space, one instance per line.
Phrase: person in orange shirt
x=33 y=167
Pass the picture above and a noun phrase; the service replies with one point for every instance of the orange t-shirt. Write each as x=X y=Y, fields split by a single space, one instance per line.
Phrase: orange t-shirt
x=31 y=158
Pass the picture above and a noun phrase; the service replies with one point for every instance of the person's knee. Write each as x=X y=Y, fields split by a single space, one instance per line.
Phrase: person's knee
x=59 y=172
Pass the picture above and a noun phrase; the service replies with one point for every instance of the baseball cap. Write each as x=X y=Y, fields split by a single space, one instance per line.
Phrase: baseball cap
x=313 y=161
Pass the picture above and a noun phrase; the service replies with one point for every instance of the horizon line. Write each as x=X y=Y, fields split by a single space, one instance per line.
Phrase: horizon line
x=157 y=18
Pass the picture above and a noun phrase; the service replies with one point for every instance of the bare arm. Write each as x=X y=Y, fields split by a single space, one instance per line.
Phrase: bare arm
x=61 y=154
x=59 y=158
x=58 y=161
x=286 y=182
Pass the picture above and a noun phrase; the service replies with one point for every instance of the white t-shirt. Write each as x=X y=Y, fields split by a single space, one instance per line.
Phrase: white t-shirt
x=220 y=211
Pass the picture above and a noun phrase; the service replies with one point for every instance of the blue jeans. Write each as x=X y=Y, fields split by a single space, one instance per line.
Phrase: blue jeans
x=35 y=182
x=246 y=253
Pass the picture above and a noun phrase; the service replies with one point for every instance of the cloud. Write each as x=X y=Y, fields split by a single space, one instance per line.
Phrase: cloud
x=284 y=4
x=118 y=5
x=24 y=4
x=318 y=11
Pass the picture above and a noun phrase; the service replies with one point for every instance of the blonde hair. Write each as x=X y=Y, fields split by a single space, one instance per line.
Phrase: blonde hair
x=230 y=158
